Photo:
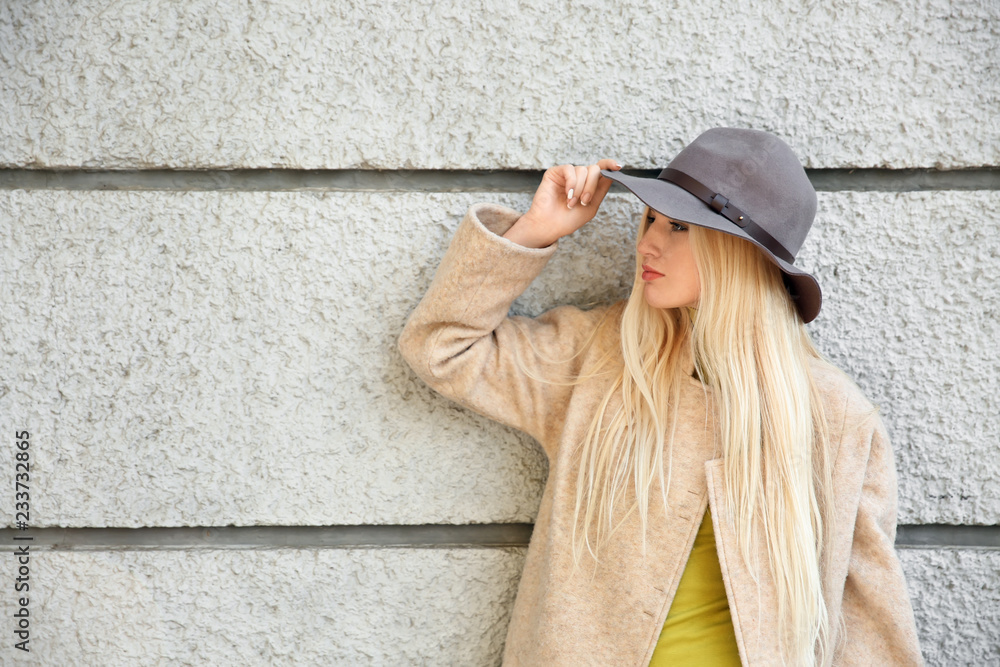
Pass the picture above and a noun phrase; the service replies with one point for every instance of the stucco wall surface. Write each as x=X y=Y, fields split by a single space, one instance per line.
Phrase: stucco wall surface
x=956 y=602
x=209 y=358
x=280 y=607
x=375 y=606
x=493 y=83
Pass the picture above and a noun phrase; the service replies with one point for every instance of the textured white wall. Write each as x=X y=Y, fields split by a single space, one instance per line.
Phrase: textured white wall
x=216 y=358
x=956 y=601
x=208 y=358
x=494 y=83
x=271 y=607
x=375 y=606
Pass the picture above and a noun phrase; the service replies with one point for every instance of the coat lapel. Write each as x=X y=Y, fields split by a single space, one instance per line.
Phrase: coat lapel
x=752 y=598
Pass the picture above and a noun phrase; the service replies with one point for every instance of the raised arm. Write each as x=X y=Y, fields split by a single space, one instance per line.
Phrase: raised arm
x=461 y=342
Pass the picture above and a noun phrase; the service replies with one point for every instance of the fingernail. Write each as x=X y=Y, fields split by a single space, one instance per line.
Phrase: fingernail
x=617 y=166
x=584 y=200
x=570 y=194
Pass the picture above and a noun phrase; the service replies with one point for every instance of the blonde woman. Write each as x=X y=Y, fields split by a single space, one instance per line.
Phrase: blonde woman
x=718 y=493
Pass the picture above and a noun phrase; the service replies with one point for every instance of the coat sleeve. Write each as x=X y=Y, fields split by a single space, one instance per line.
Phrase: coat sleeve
x=461 y=342
x=877 y=611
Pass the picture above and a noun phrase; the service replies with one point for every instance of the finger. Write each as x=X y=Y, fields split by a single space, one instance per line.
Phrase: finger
x=568 y=174
x=581 y=184
x=604 y=183
x=593 y=173
x=608 y=163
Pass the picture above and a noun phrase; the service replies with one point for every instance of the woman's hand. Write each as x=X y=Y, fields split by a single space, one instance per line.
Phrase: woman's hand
x=567 y=199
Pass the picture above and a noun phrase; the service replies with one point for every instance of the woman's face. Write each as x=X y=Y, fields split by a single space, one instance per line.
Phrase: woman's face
x=669 y=271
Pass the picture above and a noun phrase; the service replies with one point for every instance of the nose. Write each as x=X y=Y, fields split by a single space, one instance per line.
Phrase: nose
x=648 y=244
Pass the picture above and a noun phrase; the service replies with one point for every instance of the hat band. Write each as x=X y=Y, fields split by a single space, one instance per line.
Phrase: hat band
x=723 y=207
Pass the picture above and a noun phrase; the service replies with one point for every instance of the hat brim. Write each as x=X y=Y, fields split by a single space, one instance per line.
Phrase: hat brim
x=679 y=204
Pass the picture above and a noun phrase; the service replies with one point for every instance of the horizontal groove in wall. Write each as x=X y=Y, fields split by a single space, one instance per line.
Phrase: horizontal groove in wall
x=263 y=537
x=941 y=535
x=435 y=180
x=435 y=536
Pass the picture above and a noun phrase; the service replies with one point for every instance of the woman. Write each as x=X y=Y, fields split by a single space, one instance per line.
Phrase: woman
x=770 y=539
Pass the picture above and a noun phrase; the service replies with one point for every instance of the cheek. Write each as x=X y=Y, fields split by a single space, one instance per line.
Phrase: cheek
x=687 y=280
x=683 y=260
x=694 y=279
x=680 y=287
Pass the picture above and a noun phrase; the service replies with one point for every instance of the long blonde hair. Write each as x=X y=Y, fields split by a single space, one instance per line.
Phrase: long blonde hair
x=749 y=345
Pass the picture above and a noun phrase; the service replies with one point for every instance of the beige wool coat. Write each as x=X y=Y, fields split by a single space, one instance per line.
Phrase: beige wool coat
x=462 y=343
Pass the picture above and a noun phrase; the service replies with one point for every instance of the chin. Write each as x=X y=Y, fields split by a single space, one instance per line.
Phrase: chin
x=662 y=305
x=666 y=304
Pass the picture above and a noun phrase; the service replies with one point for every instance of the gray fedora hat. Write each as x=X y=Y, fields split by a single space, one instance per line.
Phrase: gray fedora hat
x=747 y=183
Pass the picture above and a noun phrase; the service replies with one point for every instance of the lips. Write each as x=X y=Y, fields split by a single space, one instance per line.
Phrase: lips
x=649 y=274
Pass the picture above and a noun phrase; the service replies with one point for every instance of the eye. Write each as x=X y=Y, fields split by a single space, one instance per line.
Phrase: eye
x=678 y=227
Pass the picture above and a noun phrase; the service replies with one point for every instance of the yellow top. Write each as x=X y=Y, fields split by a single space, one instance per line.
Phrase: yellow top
x=699 y=628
